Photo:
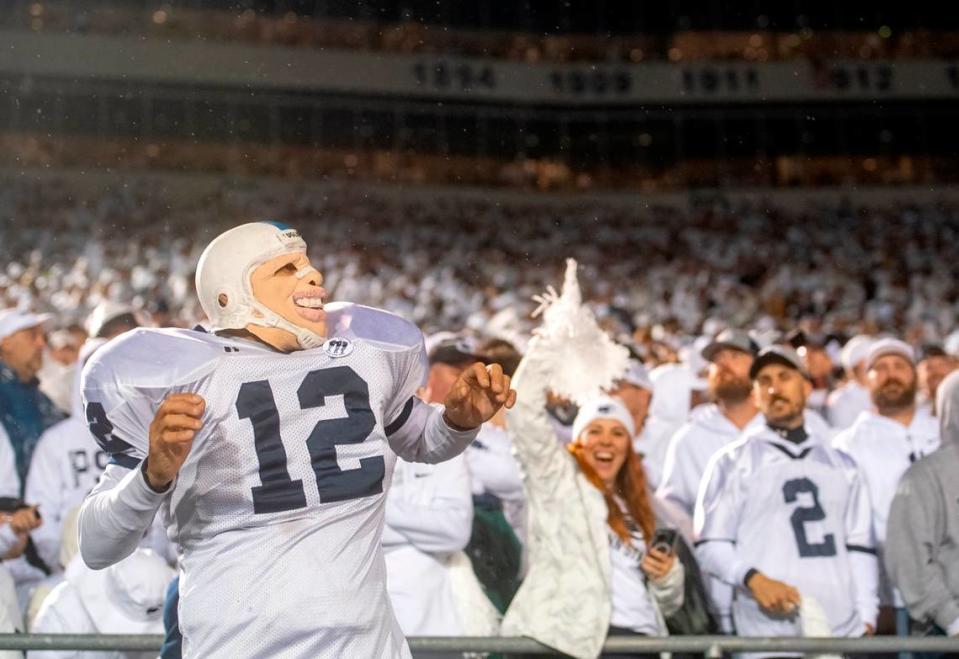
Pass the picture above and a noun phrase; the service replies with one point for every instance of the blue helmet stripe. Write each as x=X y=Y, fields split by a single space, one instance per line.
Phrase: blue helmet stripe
x=279 y=225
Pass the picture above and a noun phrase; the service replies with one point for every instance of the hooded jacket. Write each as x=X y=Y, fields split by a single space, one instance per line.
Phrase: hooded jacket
x=884 y=449
x=565 y=600
x=922 y=539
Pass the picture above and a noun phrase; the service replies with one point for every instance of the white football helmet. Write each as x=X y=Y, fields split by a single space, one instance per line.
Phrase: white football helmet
x=225 y=268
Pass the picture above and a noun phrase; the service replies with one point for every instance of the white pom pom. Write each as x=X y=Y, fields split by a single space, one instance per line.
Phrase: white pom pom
x=583 y=359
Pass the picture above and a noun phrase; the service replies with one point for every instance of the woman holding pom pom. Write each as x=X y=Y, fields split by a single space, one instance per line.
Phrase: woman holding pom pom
x=594 y=570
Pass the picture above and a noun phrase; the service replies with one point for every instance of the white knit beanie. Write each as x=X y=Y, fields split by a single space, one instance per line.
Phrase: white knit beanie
x=602 y=407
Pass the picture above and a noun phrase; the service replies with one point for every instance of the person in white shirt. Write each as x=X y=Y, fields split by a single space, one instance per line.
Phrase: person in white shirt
x=886 y=440
x=845 y=404
x=125 y=598
x=673 y=386
x=784 y=519
x=711 y=427
x=429 y=517
x=65 y=467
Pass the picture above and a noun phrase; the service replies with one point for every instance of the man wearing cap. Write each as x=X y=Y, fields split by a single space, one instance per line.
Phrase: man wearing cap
x=884 y=441
x=845 y=404
x=713 y=426
x=25 y=412
x=784 y=518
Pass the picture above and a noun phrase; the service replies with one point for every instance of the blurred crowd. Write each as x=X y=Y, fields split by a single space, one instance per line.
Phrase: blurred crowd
x=823 y=332
x=404 y=167
x=665 y=274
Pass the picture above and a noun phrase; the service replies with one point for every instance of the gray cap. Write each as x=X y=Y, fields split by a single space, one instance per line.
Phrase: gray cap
x=730 y=338
x=777 y=354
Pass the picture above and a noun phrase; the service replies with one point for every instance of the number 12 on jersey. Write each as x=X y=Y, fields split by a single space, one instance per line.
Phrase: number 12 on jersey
x=280 y=493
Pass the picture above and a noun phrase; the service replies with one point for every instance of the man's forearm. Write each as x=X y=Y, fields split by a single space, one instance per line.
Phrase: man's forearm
x=115 y=516
x=426 y=437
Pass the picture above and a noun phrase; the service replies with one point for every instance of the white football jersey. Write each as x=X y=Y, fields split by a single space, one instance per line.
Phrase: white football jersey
x=278 y=509
x=798 y=513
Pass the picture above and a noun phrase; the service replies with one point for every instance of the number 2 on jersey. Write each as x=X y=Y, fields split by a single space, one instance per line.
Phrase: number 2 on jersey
x=803 y=514
x=278 y=492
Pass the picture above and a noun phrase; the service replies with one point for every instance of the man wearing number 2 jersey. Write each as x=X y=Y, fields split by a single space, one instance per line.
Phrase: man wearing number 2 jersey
x=784 y=519
x=267 y=444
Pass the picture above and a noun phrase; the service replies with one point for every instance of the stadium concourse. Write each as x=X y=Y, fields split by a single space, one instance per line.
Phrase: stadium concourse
x=705 y=296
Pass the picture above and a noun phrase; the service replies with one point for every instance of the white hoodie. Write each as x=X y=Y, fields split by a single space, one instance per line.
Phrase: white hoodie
x=707 y=432
x=430 y=581
x=845 y=404
x=884 y=449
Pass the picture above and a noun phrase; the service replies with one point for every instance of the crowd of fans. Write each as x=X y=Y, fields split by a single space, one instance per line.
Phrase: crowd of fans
x=412 y=37
x=710 y=302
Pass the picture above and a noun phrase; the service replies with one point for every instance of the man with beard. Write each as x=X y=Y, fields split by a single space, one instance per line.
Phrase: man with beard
x=710 y=429
x=886 y=440
x=713 y=426
x=784 y=518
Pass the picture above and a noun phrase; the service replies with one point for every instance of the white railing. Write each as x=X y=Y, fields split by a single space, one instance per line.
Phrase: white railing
x=711 y=647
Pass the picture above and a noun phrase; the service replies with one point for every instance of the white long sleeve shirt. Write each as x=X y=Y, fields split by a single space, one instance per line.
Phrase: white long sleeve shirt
x=493 y=469
x=429 y=516
x=66 y=465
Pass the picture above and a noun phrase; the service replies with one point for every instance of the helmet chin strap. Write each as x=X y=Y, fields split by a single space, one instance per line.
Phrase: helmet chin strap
x=307 y=339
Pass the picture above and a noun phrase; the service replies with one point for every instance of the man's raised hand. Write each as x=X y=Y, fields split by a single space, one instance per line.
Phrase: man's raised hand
x=477 y=395
x=172 y=431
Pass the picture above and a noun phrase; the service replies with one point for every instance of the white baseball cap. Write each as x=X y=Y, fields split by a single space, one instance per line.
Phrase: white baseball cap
x=105 y=312
x=637 y=375
x=855 y=351
x=125 y=598
x=602 y=407
x=13 y=320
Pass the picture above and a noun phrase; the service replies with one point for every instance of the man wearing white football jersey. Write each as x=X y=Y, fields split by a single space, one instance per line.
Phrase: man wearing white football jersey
x=885 y=441
x=269 y=445
x=785 y=519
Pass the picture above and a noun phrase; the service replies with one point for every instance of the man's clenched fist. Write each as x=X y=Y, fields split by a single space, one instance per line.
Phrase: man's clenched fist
x=174 y=426
x=774 y=597
x=478 y=394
